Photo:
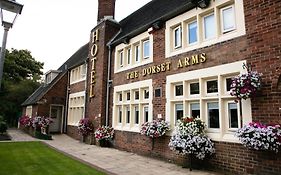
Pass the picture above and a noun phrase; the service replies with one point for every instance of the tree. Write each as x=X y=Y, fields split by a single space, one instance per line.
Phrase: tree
x=21 y=77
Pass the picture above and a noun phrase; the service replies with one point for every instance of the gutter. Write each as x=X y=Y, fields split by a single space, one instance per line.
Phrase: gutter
x=109 y=81
x=66 y=103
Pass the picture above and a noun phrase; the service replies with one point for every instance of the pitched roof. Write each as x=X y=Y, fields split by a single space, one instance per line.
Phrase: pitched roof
x=79 y=57
x=155 y=10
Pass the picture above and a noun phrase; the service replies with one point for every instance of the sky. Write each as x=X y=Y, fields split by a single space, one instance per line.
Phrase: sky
x=53 y=30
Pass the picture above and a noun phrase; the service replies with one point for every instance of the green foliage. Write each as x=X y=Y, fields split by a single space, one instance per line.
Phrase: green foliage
x=36 y=158
x=20 y=79
x=3 y=125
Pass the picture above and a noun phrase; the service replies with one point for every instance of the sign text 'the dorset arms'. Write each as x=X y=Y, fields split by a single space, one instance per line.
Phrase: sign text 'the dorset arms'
x=166 y=66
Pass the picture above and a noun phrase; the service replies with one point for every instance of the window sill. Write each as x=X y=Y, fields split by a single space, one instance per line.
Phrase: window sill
x=77 y=81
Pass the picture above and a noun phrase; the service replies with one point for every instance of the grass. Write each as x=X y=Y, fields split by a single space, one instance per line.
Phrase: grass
x=36 y=158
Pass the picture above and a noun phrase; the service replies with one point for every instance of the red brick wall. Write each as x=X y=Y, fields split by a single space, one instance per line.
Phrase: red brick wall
x=261 y=47
x=106 y=8
x=73 y=132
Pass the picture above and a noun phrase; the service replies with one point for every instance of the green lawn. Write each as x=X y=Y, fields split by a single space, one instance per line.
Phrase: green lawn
x=35 y=158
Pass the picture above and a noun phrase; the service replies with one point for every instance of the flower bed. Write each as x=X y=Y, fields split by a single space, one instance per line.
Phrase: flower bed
x=259 y=136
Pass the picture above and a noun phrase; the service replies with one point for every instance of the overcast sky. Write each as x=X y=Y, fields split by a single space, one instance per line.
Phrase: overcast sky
x=54 y=29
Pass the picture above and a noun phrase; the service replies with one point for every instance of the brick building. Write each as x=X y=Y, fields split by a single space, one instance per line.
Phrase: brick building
x=171 y=59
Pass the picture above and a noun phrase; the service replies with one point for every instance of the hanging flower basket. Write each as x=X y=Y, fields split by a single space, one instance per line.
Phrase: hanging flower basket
x=246 y=85
x=259 y=136
x=154 y=129
x=85 y=127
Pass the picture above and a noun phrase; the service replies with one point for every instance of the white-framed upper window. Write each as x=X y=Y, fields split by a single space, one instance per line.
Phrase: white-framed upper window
x=146 y=49
x=129 y=55
x=209 y=24
x=179 y=90
x=177 y=37
x=228 y=19
x=121 y=58
x=137 y=53
x=192 y=32
x=78 y=74
x=221 y=21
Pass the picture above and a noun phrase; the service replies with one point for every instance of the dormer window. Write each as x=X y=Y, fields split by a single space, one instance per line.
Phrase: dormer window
x=50 y=76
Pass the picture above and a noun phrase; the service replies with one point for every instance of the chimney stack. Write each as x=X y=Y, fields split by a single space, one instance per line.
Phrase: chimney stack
x=106 y=9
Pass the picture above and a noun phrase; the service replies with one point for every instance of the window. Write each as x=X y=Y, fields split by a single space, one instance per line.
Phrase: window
x=146 y=94
x=192 y=32
x=195 y=110
x=128 y=96
x=137 y=95
x=145 y=112
x=209 y=26
x=128 y=114
x=76 y=108
x=216 y=108
x=137 y=53
x=179 y=111
x=179 y=90
x=212 y=86
x=136 y=106
x=146 y=52
x=194 y=88
x=213 y=115
x=121 y=54
x=228 y=84
x=137 y=114
x=120 y=97
x=83 y=71
x=78 y=74
x=129 y=56
x=177 y=37
x=120 y=114
x=28 y=111
x=203 y=28
x=227 y=19
x=233 y=115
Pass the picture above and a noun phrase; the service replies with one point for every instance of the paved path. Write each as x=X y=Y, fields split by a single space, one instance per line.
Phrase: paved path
x=109 y=159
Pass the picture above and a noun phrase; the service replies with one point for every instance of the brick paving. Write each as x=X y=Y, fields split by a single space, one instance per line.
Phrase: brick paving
x=111 y=160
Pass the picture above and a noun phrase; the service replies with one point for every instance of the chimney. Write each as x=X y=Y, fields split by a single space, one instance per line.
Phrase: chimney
x=106 y=9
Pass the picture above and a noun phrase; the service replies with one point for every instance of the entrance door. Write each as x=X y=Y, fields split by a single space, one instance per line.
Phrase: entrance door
x=56 y=114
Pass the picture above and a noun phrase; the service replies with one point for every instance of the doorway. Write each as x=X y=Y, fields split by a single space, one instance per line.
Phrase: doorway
x=56 y=113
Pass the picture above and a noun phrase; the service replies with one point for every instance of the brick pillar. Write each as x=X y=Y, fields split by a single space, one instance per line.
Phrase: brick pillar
x=106 y=8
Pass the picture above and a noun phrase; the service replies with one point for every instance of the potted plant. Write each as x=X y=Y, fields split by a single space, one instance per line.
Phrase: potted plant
x=104 y=134
x=259 y=136
x=190 y=139
x=41 y=125
x=154 y=129
x=86 y=128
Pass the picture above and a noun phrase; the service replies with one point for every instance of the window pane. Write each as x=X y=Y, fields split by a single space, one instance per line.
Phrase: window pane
x=177 y=36
x=128 y=114
x=137 y=53
x=228 y=83
x=128 y=96
x=192 y=32
x=120 y=97
x=209 y=26
x=213 y=115
x=179 y=111
x=195 y=110
x=146 y=52
x=121 y=58
x=137 y=95
x=228 y=19
x=136 y=114
x=233 y=115
x=146 y=94
x=194 y=88
x=179 y=90
x=146 y=114
x=212 y=86
x=129 y=56
x=120 y=114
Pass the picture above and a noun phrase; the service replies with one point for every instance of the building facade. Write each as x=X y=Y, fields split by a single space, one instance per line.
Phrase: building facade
x=171 y=59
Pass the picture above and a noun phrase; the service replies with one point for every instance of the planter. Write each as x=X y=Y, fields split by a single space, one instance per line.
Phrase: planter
x=104 y=143
x=39 y=135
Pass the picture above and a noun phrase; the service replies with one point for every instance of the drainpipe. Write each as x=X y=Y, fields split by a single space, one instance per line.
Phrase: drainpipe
x=66 y=103
x=109 y=81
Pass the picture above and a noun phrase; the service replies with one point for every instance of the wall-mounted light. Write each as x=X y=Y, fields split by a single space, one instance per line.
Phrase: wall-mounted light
x=201 y=3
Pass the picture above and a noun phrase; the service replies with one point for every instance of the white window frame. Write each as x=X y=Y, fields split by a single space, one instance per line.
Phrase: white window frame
x=121 y=58
x=222 y=21
x=177 y=45
x=216 y=72
x=228 y=115
x=78 y=74
x=188 y=38
x=143 y=46
x=76 y=103
x=204 y=27
x=129 y=56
